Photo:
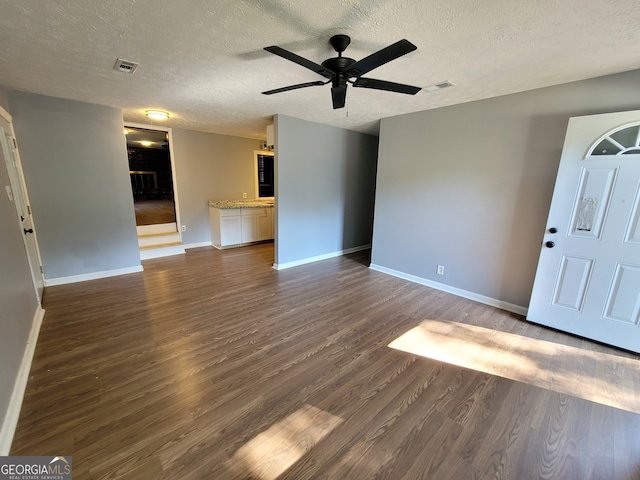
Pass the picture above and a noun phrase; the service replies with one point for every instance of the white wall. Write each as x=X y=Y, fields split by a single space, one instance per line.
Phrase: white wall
x=210 y=166
x=76 y=168
x=469 y=186
x=325 y=186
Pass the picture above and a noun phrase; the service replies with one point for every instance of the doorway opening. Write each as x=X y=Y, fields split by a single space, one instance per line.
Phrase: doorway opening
x=151 y=178
x=151 y=171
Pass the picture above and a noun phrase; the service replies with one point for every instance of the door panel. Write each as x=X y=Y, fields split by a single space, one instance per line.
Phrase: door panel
x=572 y=282
x=623 y=301
x=588 y=277
x=633 y=231
x=592 y=202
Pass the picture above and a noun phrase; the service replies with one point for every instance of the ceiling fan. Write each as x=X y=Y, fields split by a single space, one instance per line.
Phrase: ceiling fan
x=341 y=71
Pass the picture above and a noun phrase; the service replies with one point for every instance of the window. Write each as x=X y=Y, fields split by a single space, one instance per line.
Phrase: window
x=265 y=174
x=623 y=140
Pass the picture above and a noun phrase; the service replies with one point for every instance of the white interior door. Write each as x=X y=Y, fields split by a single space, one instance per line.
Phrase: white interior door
x=19 y=195
x=588 y=277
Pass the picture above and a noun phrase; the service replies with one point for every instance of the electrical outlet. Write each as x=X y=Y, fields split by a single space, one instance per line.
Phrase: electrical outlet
x=440 y=270
x=244 y=195
x=184 y=228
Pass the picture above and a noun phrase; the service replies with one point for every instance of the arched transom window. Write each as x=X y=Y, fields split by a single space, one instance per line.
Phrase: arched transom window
x=623 y=140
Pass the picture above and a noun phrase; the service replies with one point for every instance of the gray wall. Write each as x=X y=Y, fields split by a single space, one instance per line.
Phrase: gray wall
x=210 y=166
x=325 y=188
x=469 y=186
x=18 y=300
x=76 y=169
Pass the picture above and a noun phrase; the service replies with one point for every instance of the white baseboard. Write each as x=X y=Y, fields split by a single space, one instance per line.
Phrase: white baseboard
x=510 y=307
x=10 y=421
x=91 y=276
x=161 y=252
x=317 y=258
x=196 y=245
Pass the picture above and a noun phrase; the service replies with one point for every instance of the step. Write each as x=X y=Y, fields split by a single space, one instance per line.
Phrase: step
x=159 y=239
x=160 y=245
x=144 y=230
x=147 y=253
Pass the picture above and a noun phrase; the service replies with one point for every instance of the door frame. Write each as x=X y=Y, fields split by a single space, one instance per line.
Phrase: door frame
x=174 y=178
x=35 y=263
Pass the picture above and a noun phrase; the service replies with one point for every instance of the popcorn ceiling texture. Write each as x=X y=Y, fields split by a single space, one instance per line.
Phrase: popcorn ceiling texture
x=203 y=61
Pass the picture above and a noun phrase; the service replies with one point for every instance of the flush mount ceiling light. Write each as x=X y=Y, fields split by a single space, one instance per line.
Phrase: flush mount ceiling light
x=145 y=143
x=157 y=114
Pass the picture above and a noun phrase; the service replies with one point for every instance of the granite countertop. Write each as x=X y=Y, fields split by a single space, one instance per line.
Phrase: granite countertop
x=240 y=203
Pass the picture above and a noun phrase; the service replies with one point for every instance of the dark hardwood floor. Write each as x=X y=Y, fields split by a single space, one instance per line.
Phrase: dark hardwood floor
x=213 y=365
x=153 y=212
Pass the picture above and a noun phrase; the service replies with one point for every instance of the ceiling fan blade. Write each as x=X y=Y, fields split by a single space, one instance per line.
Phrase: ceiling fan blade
x=294 y=87
x=379 y=58
x=384 y=85
x=339 y=96
x=325 y=72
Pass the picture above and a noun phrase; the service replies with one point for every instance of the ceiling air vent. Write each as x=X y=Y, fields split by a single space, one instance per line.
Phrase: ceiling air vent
x=125 y=66
x=439 y=86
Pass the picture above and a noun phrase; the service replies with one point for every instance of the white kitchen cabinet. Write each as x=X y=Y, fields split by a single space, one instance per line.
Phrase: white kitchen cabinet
x=230 y=230
x=233 y=227
x=264 y=224
x=249 y=225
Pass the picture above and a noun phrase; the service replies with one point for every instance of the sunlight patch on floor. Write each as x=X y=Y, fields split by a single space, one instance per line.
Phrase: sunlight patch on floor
x=273 y=451
x=598 y=377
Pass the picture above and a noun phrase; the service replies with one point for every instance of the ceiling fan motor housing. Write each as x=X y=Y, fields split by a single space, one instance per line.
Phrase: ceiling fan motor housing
x=338 y=64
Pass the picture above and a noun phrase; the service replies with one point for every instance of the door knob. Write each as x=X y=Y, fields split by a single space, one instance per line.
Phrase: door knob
x=553 y=230
x=28 y=231
x=550 y=244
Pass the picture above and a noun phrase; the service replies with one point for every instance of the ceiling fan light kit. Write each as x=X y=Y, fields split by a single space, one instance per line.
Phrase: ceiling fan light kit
x=341 y=71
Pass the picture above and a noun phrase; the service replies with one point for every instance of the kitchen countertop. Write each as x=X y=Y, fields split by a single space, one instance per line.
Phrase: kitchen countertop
x=240 y=203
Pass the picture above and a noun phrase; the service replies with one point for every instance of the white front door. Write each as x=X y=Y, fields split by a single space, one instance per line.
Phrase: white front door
x=588 y=277
x=18 y=191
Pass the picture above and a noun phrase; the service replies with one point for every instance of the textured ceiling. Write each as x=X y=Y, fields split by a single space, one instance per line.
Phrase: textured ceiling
x=203 y=60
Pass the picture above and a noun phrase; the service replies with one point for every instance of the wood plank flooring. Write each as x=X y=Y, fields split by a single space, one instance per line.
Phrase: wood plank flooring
x=153 y=212
x=212 y=365
x=528 y=360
